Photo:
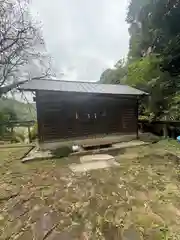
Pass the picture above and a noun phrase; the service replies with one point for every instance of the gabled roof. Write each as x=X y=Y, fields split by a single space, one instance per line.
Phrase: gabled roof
x=81 y=87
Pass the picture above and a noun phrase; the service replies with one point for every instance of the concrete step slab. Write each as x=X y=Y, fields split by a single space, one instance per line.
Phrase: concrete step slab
x=84 y=167
x=114 y=150
x=96 y=157
x=134 y=143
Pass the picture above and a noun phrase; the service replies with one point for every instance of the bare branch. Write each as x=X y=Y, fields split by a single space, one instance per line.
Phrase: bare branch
x=6 y=89
x=21 y=44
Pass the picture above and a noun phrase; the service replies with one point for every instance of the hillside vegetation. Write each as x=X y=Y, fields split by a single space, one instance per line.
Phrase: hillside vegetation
x=22 y=111
x=153 y=61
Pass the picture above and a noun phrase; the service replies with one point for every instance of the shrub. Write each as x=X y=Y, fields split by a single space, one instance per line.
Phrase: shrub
x=61 y=152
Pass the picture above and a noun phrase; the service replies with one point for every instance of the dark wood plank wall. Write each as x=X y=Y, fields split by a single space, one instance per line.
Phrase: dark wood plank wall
x=69 y=115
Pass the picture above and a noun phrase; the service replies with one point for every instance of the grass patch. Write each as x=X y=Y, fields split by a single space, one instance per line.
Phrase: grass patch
x=170 y=144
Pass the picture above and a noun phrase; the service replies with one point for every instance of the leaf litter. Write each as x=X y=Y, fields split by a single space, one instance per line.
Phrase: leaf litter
x=45 y=200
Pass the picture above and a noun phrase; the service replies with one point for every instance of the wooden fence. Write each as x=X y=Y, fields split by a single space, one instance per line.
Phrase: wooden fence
x=162 y=128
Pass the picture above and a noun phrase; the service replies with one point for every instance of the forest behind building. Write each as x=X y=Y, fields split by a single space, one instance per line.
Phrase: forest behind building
x=153 y=61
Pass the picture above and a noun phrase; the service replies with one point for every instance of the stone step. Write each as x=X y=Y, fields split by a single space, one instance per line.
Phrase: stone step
x=94 y=165
x=96 y=157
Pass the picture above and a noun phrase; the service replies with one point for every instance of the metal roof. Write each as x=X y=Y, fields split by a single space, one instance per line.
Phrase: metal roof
x=83 y=87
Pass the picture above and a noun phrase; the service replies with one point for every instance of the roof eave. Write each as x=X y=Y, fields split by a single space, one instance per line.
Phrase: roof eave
x=92 y=93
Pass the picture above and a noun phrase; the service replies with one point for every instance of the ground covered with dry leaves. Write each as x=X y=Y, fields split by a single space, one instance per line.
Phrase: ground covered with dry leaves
x=45 y=200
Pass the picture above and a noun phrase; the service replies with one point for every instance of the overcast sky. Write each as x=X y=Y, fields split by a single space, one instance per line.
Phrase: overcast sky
x=84 y=37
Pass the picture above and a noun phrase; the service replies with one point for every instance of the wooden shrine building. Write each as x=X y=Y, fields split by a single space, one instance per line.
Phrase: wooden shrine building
x=73 y=110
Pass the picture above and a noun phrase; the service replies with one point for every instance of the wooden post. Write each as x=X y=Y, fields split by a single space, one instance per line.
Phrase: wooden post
x=39 y=120
x=165 y=130
x=12 y=130
x=137 y=116
x=29 y=134
x=173 y=132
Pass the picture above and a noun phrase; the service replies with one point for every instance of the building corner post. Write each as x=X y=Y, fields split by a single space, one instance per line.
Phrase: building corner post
x=137 y=116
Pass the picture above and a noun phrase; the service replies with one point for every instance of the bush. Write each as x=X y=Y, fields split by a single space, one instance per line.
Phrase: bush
x=2 y=127
x=6 y=115
x=61 y=152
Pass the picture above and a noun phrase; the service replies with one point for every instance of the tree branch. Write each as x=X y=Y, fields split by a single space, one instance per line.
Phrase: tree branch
x=6 y=89
x=20 y=44
x=15 y=40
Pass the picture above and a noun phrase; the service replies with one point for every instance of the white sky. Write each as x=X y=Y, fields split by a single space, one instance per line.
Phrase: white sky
x=84 y=37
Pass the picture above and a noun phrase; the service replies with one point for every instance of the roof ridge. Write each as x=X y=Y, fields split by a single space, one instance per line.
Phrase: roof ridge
x=71 y=81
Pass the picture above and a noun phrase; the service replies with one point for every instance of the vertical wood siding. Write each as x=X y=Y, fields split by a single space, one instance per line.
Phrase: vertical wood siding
x=69 y=115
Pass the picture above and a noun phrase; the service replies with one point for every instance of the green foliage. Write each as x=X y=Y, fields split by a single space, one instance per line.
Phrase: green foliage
x=2 y=128
x=174 y=107
x=153 y=63
x=5 y=116
x=61 y=152
x=23 y=111
x=12 y=110
x=144 y=72
x=155 y=25
x=154 y=54
x=5 y=132
x=115 y=75
x=146 y=75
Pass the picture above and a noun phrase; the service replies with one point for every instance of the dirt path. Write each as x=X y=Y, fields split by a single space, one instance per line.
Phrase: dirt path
x=45 y=200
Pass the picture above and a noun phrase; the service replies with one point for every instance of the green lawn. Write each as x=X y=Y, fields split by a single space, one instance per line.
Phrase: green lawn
x=45 y=200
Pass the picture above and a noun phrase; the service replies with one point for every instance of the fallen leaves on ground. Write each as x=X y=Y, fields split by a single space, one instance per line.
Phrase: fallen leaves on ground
x=45 y=200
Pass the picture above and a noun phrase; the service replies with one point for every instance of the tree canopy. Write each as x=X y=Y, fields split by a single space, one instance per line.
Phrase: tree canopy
x=153 y=61
x=114 y=75
x=154 y=28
